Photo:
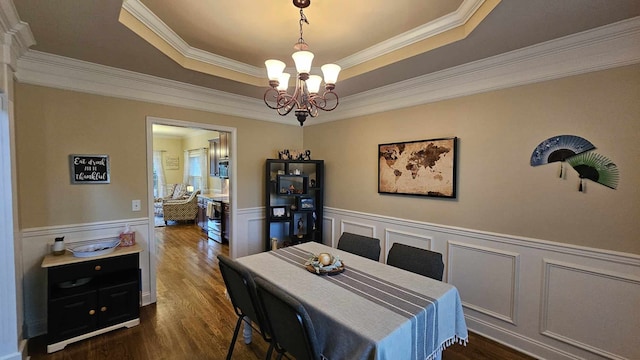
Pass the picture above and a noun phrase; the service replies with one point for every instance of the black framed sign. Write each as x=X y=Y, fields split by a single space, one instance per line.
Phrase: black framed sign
x=89 y=169
x=423 y=167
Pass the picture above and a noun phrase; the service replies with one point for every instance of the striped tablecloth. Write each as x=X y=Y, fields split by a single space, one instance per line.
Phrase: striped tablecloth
x=371 y=310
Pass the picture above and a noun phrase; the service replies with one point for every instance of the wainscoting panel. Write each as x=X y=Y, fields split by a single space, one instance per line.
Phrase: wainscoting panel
x=487 y=279
x=249 y=238
x=329 y=228
x=357 y=228
x=613 y=298
x=403 y=237
x=546 y=299
x=36 y=243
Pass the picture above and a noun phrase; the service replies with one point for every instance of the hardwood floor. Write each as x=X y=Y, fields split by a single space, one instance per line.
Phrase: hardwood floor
x=193 y=319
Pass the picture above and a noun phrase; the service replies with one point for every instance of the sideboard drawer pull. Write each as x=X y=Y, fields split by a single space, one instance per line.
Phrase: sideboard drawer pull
x=92 y=312
x=98 y=267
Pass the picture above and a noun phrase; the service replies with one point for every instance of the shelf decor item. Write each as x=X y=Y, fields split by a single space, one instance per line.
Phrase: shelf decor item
x=324 y=264
x=278 y=212
x=424 y=167
x=305 y=203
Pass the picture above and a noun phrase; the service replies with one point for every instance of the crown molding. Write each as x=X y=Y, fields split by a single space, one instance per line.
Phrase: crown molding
x=17 y=34
x=598 y=49
x=423 y=32
x=55 y=71
x=602 y=48
x=138 y=10
x=443 y=24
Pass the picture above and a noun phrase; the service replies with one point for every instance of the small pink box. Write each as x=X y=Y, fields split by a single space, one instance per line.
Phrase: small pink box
x=127 y=239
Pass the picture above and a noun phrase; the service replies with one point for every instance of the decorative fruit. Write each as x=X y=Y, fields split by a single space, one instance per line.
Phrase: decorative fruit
x=324 y=259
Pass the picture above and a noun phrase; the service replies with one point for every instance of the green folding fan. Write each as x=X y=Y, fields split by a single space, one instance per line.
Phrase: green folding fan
x=595 y=167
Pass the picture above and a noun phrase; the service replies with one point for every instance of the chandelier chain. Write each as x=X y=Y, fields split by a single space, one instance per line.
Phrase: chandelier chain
x=303 y=18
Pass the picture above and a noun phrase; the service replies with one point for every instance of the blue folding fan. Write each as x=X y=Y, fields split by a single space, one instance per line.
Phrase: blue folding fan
x=595 y=167
x=559 y=148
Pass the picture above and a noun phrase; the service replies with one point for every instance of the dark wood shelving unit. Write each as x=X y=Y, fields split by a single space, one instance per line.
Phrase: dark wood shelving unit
x=294 y=201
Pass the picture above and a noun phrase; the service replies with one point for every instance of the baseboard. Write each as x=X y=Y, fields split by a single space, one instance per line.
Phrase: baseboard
x=517 y=341
x=21 y=354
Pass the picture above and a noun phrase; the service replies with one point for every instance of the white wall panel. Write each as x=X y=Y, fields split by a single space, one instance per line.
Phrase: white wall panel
x=328 y=231
x=520 y=292
x=403 y=237
x=487 y=279
x=357 y=228
x=575 y=298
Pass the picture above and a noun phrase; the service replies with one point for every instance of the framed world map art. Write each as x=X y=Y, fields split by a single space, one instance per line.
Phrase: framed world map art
x=424 y=167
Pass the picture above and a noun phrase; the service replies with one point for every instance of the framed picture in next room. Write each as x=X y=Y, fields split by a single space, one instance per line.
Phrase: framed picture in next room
x=421 y=167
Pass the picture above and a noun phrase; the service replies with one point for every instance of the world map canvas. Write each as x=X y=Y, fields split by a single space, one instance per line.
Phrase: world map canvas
x=425 y=167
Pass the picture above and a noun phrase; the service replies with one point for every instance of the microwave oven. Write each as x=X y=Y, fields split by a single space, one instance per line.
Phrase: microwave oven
x=223 y=168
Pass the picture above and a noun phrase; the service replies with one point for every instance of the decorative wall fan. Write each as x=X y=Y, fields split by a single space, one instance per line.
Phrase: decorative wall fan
x=596 y=167
x=559 y=148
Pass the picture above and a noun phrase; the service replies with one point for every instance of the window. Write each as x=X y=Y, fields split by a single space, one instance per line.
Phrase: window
x=195 y=169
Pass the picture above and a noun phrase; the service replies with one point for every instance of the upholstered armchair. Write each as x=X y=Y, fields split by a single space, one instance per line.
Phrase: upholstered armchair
x=172 y=192
x=181 y=209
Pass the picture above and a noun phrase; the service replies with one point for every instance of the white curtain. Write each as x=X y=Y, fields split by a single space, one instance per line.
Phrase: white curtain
x=185 y=177
x=159 y=170
x=204 y=174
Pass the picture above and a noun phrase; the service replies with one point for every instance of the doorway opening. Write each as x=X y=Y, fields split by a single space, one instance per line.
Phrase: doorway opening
x=183 y=162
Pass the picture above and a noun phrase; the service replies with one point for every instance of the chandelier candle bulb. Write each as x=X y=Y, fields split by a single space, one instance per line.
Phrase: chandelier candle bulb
x=330 y=72
x=313 y=84
x=274 y=69
x=284 y=82
x=303 y=60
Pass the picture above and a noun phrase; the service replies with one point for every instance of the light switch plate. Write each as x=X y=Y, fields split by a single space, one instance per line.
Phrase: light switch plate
x=135 y=205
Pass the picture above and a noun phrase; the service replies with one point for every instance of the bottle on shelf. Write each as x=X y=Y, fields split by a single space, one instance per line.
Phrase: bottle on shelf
x=58 y=246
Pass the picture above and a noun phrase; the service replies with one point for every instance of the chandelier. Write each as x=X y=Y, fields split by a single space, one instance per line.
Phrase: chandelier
x=306 y=99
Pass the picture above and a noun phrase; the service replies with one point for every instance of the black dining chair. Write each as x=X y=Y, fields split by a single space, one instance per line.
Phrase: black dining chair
x=364 y=246
x=241 y=289
x=289 y=324
x=416 y=260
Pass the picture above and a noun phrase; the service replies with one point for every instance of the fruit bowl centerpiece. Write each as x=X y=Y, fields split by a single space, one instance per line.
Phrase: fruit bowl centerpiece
x=324 y=264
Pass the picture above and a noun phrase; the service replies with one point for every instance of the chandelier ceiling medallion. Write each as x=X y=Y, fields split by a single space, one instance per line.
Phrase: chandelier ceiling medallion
x=305 y=99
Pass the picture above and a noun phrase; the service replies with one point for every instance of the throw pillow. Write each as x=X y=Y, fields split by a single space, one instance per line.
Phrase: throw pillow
x=180 y=191
x=168 y=192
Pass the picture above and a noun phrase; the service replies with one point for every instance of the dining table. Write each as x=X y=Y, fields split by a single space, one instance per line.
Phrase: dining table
x=369 y=311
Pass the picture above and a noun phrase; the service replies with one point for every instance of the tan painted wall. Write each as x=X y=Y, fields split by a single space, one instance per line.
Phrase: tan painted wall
x=52 y=123
x=498 y=190
x=172 y=147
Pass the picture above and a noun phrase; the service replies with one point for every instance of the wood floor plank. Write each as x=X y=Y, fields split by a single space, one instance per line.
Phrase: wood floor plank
x=193 y=319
